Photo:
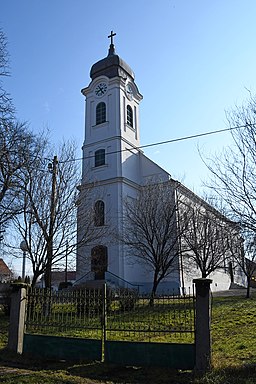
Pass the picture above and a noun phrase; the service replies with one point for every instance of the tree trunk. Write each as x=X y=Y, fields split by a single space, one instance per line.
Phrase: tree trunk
x=204 y=274
x=153 y=292
x=34 y=279
x=248 y=287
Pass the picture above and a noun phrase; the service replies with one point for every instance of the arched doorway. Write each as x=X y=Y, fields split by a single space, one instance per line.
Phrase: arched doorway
x=99 y=261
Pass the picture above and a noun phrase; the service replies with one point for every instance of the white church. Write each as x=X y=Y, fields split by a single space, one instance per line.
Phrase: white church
x=113 y=169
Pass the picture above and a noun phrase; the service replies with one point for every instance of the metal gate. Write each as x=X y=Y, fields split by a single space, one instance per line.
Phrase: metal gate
x=118 y=326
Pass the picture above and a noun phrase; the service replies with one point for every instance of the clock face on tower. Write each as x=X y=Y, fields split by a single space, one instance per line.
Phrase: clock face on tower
x=129 y=91
x=101 y=89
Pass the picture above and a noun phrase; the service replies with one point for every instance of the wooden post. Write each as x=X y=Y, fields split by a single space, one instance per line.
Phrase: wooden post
x=203 y=325
x=17 y=318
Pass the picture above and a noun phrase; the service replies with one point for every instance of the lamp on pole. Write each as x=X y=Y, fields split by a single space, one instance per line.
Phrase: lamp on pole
x=24 y=248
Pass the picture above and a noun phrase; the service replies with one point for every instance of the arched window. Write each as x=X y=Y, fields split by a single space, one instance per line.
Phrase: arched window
x=100 y=113
x=99 y=261
x=129 y=116
x=99 y=213
x=99 y=157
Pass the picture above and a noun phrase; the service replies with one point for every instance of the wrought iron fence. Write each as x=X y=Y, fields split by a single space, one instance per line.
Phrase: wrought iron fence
x=111 y=315
x=76 y=313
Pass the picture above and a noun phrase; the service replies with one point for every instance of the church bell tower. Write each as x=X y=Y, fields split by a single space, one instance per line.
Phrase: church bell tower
x=110 y=160
x=111 y=113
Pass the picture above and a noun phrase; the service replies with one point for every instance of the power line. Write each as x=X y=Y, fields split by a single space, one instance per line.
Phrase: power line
x=165 y=142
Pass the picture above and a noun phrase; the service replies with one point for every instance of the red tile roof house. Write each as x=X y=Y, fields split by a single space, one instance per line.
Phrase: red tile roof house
x=5 y=272
x=5 y=279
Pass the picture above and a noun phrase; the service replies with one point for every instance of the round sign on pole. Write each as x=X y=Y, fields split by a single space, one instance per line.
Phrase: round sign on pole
x=24 y=248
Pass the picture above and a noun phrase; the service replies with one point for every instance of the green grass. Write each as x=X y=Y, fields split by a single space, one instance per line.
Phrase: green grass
x=234 y=331
x=233 y=356
x=4 y=321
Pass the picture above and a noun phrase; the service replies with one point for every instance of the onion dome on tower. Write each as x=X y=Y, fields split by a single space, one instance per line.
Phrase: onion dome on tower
x=112 y=65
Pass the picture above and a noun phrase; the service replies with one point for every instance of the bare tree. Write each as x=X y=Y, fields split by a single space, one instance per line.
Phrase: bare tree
x=208 y=239
x=48 y=220
x=41 y=201
x=16 y=152
x=150 y=230
x=247 y=259
x=6 y=105
x=16 y=145
x=234 y=171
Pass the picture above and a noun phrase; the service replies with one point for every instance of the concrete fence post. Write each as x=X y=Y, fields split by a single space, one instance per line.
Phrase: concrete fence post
x=17 y=317
x=203 y=325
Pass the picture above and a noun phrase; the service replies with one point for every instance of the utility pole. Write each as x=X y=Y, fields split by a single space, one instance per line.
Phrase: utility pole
x=52 y=167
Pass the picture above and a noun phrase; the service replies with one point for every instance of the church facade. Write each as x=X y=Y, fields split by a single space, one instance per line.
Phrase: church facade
x=114 y=169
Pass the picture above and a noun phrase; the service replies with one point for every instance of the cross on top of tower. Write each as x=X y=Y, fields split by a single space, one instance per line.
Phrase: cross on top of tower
x=111 y=50
x=112 y=34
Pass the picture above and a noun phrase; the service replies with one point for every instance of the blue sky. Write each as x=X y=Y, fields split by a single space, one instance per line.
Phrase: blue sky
x=193 y=59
